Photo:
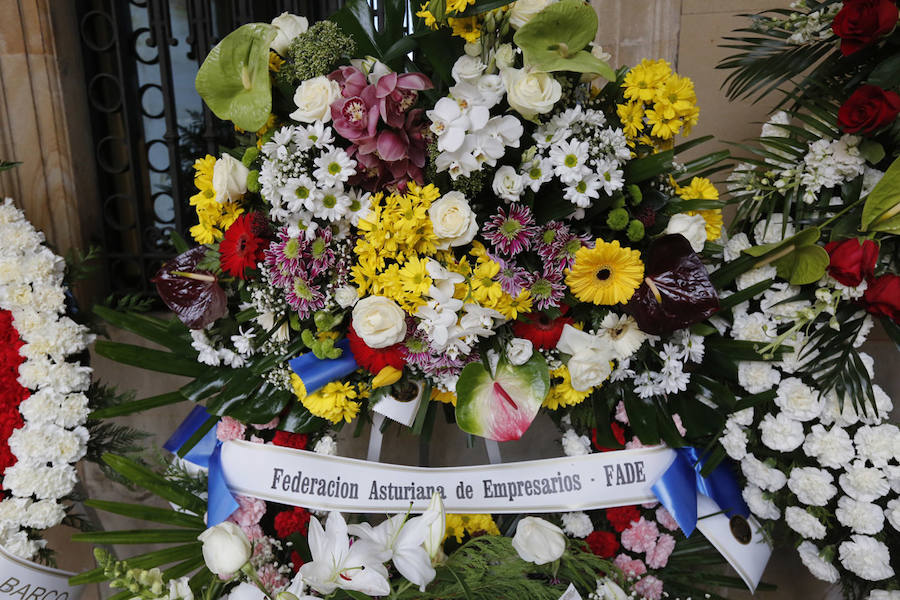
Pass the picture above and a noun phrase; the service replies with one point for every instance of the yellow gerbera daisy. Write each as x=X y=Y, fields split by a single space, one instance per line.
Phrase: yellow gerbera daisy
x=605 y=274
x=563 y=394
x=700 y=188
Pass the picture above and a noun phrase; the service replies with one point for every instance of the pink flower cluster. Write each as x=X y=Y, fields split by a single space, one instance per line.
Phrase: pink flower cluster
x=385 y=131
x=643 y=537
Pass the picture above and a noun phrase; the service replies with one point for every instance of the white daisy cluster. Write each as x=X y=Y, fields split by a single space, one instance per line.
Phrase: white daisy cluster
x=468 y=137
x=850 y=459
x=682 y=348
x=805 y=25
x=296 y=199
x=576 y=148
x=53 y=437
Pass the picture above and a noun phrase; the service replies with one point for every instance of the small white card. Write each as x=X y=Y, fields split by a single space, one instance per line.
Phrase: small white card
x=570 y=594
x=402 y=412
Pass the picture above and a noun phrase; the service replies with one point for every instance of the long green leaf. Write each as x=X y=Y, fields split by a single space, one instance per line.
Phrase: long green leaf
x=153 y=329
x=184 y=568
x=148 y=513
x=136 y=536
x=130 y=408
x=150 y=359
x=144 y=477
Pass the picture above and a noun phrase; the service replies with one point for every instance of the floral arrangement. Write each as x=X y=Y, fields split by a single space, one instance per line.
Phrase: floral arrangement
x=43 y=401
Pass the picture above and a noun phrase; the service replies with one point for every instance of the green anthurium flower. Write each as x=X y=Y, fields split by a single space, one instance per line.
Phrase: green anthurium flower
x=234 y=78
x=555 y=38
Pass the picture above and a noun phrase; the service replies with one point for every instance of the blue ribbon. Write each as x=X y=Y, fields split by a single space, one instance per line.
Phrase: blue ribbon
x=206 y=453
x=316 y=373
x=678 y=487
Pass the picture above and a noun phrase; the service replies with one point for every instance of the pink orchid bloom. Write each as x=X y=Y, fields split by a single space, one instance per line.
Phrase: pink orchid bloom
x=398 y=93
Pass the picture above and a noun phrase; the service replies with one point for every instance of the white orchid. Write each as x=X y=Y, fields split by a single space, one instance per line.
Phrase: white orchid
x=337 y=564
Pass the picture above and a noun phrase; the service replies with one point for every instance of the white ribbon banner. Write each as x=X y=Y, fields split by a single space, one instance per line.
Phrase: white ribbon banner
x=24 y=580
x=301 y=478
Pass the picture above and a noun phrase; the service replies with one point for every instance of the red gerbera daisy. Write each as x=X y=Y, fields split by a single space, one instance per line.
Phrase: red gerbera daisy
x=243 y=245
x=541 y=331
x=374 y=359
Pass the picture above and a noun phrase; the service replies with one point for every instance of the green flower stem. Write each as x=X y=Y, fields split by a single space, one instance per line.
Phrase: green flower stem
x=250 y=572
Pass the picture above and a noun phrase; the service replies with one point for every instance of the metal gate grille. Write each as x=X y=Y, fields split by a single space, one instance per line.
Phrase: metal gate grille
x=148 y=123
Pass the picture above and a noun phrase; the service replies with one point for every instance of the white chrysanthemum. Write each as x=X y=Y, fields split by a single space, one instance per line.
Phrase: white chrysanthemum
x=801 y=521
x=864 y=483
x=577 y=524
x=798 y=400
x=574 y=444
x=772 y=230
x=757 y=376
x=861 y=517
x=781 y=432
x=334 y=168
x=734 y=246
x=892 y=513
x=759 y=505
x=622 y=334
x=866 y=557
x=833 y=448
x=735 y=442
x=753 y=327
x=879 y=445
x=812 y=486
x=762 y=475
x=818 y=566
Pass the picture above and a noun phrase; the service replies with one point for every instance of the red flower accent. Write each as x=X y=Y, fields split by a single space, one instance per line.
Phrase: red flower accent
x=542 y=332
x=297 y=441
x=12 y=394
x=862 y=22
x=852 y=260
x=618 y=432
x=868 y=109
x=602 y=543
x=882 y=297
x=290 y=522
x=296 y=561
x=374 y=359
x=243 y=245
x=621 y=517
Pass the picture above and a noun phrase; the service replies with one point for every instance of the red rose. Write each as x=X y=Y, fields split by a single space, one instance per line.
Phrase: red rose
x=291 y=521
x=290 y=440
x=618 y=432
x=852 y=260
x=862 y=22
x=602 y=543
x=375 y=359
x=882 y=297
x=622 y=517
x=867 y=109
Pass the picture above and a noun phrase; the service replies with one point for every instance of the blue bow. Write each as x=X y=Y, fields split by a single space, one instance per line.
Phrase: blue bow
x=206 y=453
x=315 y=372
x=678 y=487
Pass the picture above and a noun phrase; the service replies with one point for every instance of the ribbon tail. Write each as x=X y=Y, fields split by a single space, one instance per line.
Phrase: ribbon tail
x=221 y=503
x=722 y=487
x=203 y=449
x=677 y=491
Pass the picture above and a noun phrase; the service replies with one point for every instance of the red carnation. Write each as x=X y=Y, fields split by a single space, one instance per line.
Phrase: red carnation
x=618 y=432
x=296 y=561
x=290 y=522
x=375 y=359
x=621 y=517
x=243 y=245
x=882 y=297
x=862 y=22
x=541 y=331
x=852 y=260
x=868 y=109
x=602 y=543
x=290 y=440
x=12 y=394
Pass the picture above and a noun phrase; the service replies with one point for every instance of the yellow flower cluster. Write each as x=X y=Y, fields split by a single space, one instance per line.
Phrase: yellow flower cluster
x=334 y=402
x=659 y=100
x=214 y=217
x=702 y=188
x=460 y=525
x=468 y=28
x=562 y=394
x=486 y=290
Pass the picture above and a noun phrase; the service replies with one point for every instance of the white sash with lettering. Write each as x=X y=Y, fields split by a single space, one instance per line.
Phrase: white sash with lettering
x=20 y=579
x=562 y=484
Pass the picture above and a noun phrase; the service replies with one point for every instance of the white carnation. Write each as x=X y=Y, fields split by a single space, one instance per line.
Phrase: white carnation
x=742 y=417
x=762 y=475
x=861 y=517
x=753 y=327
x=44 y=514
x=29 y=479
x=767 y=232
x=19 y=545
x=326 y=445
x=798 y=400
x=735 y=245
x=832 y=448
x=801 y=521
x=781 y=432
x=892 y=513
x=866 y=557
x=577 y=524
x=812 y=486
x=754 y=276
x=864 y=483
x=818 y=566
x=879 y=445
x=13 y=510
x=735 y=442
x=757 y=376
x=759 y=505
x=884 y=595
x=574 y=444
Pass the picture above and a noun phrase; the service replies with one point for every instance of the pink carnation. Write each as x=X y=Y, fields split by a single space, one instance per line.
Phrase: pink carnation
x=665 y=518
x=649 y=587
x=249 y=512
x=631 y=567
x=253 y=532
x=641 y=536
x=270 y=425
x=649 y=505
x=658 y=556
x=230 y=429
x=676 y=418
x=271 y=579
x=621 y=413
x=634 y=444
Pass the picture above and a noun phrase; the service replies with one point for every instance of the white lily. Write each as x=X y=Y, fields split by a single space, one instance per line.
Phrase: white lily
x=436 y=518
x=295 y=591
x=337 y=564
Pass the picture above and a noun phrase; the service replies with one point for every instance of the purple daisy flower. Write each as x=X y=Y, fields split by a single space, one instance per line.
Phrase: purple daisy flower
x=548 y=290
x=512 y=277
x=566 y=248
x=304 y=297
x=286 y=257
x=548 y=241
x=512 y=230
x=321 y=253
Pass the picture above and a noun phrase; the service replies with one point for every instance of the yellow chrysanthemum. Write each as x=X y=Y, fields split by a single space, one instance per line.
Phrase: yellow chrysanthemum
x=460 y=525
x=485 y=289
x=676 y=97
x=661 y=127
x=414 y=276
x=713 y=219
x=644 y=81
x=467 y=28
x=632 y=116
x=424 y=13
x=562 y=394
x=605 y=274
x=333 y=402
x=444 y=397
x=458 y=5
x=700 y=188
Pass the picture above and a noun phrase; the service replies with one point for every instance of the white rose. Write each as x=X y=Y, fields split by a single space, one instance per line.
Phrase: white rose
x=492 y=91
x=453 y=220
x=505 y=56
x=379 y=321
x=538 y=541
x=229 y=178
x=508 y=184
x=692 y=227
x=607 y=589
x=225 y=548
x=518 y=351
x=531 y=93
x=245 y=591
x=287 y=27
x=523 y=11
x=346 y=296
x=467 y=68
x=313 y=99
x=589 y=364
